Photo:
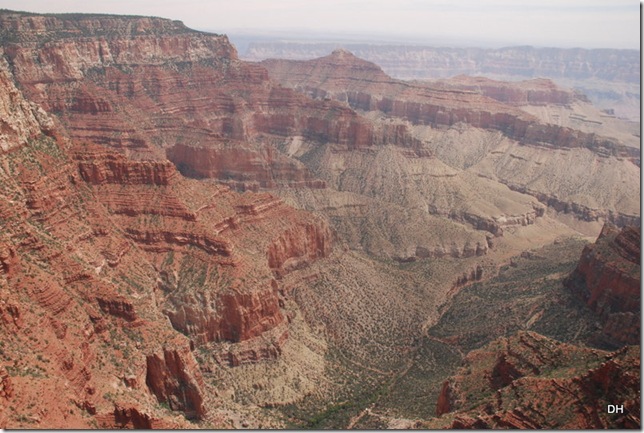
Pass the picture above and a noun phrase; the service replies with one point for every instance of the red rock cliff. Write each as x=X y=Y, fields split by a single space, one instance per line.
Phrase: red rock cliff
x=530 y=381
x=538 y=91
x=489 y=107
x=98 y=166
x=99 y=246
x=608 y=279
x=174 y=378
x=153 y=88
x=299 y=246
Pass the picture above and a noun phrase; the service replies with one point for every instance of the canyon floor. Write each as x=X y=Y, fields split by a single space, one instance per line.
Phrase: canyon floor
x=190 y=240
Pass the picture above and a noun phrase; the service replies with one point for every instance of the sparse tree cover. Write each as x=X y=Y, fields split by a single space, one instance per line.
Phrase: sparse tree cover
x=190 y=240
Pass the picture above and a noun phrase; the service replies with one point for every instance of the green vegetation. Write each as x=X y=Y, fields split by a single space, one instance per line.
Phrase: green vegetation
x=529 y=294
x=75 y=25
x=415 y=394
x=133 y=334
x=33 y=371
x=192 y=274
x=359 y=390
x=130 y=282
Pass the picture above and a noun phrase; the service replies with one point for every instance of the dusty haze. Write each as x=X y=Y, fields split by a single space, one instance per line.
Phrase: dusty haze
x=555 y=23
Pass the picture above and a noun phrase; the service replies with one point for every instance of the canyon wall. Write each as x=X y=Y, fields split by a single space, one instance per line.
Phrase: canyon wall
x=336 y=74
x=608 y=280
x=157 y=89
x=408 y=62
x=487 y=128
x=609 y=77
x=530 y=381
x=157 y=266
x=122 y=265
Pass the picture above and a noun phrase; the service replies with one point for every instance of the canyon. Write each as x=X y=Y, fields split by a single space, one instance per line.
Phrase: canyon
x=192 y=240
x=609 y=77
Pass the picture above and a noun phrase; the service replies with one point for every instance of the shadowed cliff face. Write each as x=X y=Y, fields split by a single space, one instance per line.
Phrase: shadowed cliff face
x=608 y=280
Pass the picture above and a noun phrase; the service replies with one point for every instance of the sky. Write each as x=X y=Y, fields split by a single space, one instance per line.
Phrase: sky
x=554 y=23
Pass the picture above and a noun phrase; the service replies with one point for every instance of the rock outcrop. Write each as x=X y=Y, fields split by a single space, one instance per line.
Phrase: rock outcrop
x=408 y=62
x=297 y=247
x=103 y=239
x=136 y=283
x=608 y=280
x=241 y=316
x=22 y=120
x=530 y=381
x=333 y=77
x=609 y=77
x=241 y=167
x=580 y=211
x=223 y=123
x=482 y=126
x=539 y=91
x=99 y=166
x=174 y=378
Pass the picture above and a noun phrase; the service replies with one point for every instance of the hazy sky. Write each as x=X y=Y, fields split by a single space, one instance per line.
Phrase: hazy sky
x=562 y=23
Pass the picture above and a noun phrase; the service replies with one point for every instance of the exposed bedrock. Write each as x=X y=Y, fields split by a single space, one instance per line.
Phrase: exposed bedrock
x=608 y=279
x=173 y=376
x=249 y=314
x=495 y=225
x=242 y=166
x=100 y=166
x=232 y=317
x=580 y=211
x=539 y=91
x=530 y=381
x=298 y=247
x=418 y=62
x=336 y=77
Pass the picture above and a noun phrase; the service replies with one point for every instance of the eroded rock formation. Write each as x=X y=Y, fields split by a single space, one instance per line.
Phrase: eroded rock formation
x=608 y=280
x=132 y=291
x=334 y=76
x=103 y=239
x=483 y=126
x=174 y=378
x=609 y=77
x=530 y=381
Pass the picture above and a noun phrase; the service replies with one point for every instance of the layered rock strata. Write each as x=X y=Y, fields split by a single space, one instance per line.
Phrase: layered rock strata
x=530 y=381
x=175 y=92
x=407 y=62
x=364 y=86
x=173 y=379
x=103 y=239
x=609 y=77
x=480 y=126
x=119 y=273
x=608 y=280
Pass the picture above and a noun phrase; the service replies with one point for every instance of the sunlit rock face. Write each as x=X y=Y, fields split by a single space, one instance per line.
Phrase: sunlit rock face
x=138 y=266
